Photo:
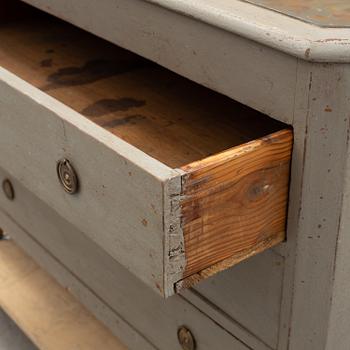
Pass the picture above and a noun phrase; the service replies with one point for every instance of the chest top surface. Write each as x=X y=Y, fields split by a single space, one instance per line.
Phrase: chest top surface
x=324 y=13
x=314 y=30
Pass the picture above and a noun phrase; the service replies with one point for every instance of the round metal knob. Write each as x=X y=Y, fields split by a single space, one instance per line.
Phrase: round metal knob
x=8 y=189
x=186 y=339
x=67 y=176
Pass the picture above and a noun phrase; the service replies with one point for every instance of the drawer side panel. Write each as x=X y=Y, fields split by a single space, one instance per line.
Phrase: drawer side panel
x=235 y=204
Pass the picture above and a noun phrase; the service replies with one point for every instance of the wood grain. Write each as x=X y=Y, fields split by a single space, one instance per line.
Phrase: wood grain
x=236 y=201
x=222 y=265
x=50 y=316
x=168 y=117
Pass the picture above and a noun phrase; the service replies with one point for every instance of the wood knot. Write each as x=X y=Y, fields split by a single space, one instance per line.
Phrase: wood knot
x=258 y=190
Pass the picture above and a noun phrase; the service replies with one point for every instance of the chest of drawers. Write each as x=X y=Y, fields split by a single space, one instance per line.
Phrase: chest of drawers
x=166 y=183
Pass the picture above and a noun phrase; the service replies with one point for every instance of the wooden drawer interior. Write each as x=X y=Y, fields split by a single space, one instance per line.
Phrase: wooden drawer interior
x=230 y=154
x=167 y=116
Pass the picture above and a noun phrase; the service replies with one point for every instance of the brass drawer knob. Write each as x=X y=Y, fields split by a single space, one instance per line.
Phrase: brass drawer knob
x=67 y=176
x=186 y=339
x=8 y=189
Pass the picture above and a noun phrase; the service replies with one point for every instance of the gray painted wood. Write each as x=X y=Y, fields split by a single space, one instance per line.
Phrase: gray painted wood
x=338 y=336
x=298 y=159
x=323 y=159
x=107 y=281
x=272 y=29
x=37 y=131
x=250 y=295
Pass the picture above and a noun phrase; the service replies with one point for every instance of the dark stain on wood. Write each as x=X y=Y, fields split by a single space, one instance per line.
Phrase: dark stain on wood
x=50 y=51
x=90 y=72
x=46 y=63
x=106 y=106
x=130 y=119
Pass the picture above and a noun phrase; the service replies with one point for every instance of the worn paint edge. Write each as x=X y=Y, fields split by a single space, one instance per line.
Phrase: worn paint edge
x=270 y=28
x=174 y=241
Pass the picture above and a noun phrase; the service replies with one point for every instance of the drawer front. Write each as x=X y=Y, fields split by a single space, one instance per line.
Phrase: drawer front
x=112 y=207
x=156 y=319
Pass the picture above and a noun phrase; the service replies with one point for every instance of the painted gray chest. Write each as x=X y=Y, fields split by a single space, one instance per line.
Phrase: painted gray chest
x=285 y=61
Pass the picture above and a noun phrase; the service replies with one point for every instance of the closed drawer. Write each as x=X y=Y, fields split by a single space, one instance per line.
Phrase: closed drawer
x=83 y=267
x=176 y=182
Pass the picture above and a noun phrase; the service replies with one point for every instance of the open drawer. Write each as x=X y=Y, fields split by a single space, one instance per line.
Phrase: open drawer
x=174 y=181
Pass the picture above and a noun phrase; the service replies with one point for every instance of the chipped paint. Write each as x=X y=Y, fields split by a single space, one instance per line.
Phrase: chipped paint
x=324 y=13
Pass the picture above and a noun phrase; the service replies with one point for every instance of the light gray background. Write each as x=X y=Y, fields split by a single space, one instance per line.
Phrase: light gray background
x=11 y=337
